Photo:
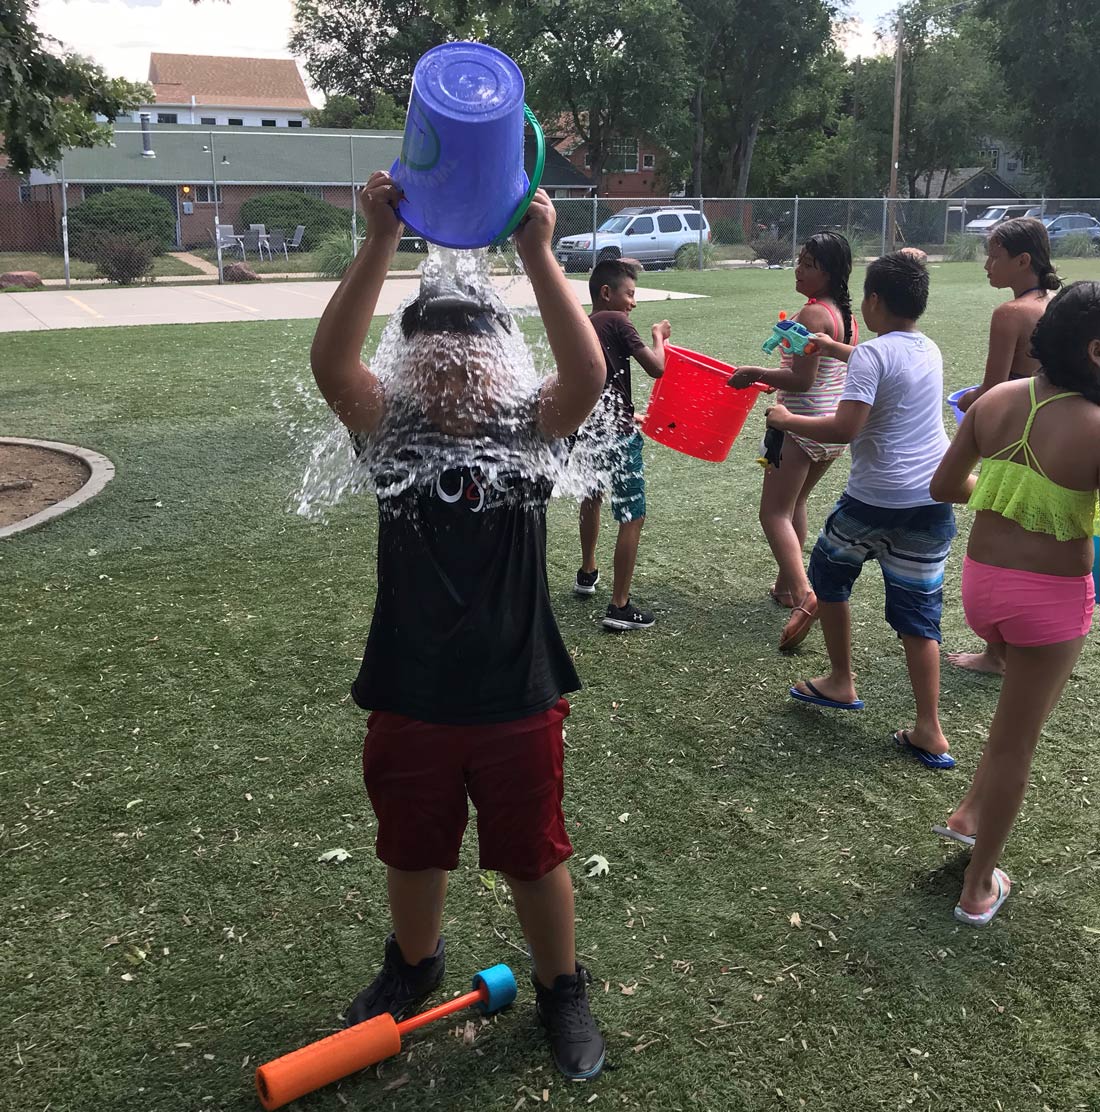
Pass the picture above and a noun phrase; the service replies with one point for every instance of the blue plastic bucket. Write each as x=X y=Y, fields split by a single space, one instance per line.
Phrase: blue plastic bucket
x=953 y=401
x=461 y=164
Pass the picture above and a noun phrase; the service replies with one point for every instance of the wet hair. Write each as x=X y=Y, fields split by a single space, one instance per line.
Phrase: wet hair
x=454 y=308
x=1025 y=233
x=1062 y=336
x=833 y=255
x=610 y=272
x=901 y=282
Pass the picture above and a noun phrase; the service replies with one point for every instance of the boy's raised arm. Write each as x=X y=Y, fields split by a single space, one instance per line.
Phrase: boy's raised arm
x=569 y=394
x=354 y=394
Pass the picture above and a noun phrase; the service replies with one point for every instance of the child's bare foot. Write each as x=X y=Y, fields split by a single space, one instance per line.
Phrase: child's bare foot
x=963 y=822
x=782 y=596
x=839 y=690
x=989 y=661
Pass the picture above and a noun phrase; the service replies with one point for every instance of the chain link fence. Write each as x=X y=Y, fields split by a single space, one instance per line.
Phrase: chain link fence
x=187 y=203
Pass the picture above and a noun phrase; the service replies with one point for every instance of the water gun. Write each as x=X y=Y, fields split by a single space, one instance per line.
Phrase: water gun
x=771 y=448
x=791 y=337
x=372 y=1041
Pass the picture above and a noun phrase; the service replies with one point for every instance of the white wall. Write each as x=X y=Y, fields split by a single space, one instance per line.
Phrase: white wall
x=250 y=117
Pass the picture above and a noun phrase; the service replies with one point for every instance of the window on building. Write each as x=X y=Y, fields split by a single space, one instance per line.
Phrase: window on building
x=587 y=160
x=669 y=222
x=990 y=156
x=622 y=158
x=294 y=123
x=267 y=123
x=208 y=120
x=648 y=162
x=317 y=191
x=234 y=122
x=203 y=194
x=25 y=194
x=168 y=118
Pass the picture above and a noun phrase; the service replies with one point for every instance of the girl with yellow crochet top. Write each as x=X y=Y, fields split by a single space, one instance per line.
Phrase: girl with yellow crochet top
x=1027 y=579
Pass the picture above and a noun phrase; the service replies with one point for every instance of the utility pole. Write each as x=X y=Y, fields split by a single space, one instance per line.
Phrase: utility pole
x=895 y=143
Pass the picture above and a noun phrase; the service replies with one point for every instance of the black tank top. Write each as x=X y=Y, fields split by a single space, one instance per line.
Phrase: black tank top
x=463 y=631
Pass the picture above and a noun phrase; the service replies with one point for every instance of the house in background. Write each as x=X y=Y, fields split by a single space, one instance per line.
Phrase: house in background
x=206 y=174
x=226 y=92
x=630 y=170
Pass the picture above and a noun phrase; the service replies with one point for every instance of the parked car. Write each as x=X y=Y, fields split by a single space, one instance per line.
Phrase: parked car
x=652 y=235
x=983 y=224
x=1072 y=224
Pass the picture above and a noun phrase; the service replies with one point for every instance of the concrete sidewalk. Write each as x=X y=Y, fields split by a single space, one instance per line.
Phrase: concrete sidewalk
x=50 y=309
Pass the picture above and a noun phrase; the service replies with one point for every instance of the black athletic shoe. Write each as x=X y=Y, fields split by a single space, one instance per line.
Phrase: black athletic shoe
x=627 y=617
x=586 y=582
x=575 y=1041
x=399 y=988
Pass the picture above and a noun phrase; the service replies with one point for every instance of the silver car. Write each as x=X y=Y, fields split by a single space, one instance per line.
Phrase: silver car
x=1072 y=224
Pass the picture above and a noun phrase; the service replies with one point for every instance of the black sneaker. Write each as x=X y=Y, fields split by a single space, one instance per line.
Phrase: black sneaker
x=586 y=582
x=627 y=617
x=399 y=988
x=575 y=1041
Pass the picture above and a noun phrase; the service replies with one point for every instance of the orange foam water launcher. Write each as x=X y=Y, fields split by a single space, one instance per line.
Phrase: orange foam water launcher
x=692 y=410
x=370 y=1042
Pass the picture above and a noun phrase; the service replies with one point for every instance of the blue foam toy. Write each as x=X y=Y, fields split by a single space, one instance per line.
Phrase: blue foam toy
x=500 y=982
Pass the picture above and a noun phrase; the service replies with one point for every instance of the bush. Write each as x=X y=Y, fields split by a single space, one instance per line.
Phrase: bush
x=774 y=251
x=727 y=229
x=132 y=214
x=687 y=257
x=121 y=258
x=286 y=209
x=334 y=254
x=1079 y=245
x=964 y=248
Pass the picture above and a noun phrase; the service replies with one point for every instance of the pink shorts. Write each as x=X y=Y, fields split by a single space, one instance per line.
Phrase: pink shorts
x=1026 y=608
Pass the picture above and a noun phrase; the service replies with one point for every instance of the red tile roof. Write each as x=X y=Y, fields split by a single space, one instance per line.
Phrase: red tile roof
x=228 y=82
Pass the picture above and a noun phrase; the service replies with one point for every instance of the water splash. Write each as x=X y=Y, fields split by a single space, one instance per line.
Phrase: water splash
x=453 y=401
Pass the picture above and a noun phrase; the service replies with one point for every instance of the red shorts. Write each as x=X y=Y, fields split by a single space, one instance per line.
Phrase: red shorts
x=418 y=776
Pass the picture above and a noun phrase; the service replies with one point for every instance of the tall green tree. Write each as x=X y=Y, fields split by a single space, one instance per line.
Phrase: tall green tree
x=763 y=51
x=616 y=70
x=49 y=98
x=1046 y=55
x=339 y=111
x=359 y=48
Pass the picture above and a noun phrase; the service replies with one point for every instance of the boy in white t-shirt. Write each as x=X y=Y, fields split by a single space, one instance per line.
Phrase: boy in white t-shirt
x=891 y=412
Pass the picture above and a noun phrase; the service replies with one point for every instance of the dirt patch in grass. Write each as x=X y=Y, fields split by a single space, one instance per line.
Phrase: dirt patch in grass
x=32 y=479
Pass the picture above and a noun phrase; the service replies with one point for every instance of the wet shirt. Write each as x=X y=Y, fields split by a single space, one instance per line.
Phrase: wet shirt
x=619 y=340
x=463 y=631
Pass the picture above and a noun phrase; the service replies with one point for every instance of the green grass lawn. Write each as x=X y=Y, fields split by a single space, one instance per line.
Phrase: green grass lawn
x=48 y=265
x=177 y=748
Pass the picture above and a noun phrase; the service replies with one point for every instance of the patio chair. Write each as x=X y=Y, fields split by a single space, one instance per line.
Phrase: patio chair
x=225 y=238
x=295 y=243
x=276 y=241
x=250 y=241
x=261 y=228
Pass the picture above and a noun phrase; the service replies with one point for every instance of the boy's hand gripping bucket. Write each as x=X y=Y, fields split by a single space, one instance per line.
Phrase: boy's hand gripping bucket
x=461 y=165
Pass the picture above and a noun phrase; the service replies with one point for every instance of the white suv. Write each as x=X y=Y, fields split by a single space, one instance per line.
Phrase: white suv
x=652 y=235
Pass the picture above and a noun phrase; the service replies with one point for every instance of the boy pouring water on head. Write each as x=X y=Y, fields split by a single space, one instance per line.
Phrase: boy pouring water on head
x=465 y=670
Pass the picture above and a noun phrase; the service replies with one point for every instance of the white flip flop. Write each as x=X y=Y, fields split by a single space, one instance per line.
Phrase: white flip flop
x=945 y=831
x=1004 y=886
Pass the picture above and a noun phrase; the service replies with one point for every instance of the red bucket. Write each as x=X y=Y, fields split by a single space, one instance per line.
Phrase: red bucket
x=692 y=409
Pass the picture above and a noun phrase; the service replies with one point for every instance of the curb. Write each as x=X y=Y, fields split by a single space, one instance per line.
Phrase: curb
x=102 y=472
